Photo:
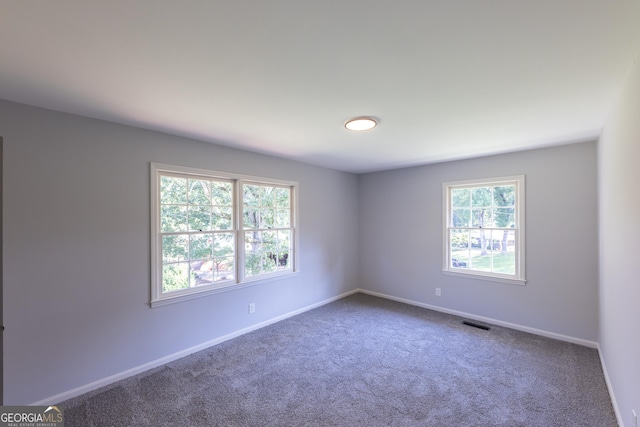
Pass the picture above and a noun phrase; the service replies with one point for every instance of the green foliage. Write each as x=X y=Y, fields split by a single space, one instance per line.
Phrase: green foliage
x=197 y=208
x=460 y=197
x=504 y=198
x=481 y=197
x=173 y=190
x=266 y=206
x=459 y=238
x=175 y=277
x=266 y=209
x=223 y=245
x=461 y=217
x=483 y=206
x=504 y=195
x=480 y=208
x=199 y=192
x=200 y=246
x=266 y=251
x=253 y=264
x=173 y=218
x=222 y=194
x=175 y=248
x=199 y=218
x=198 y=211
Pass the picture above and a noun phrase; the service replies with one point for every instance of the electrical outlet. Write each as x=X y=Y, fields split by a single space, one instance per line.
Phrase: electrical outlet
x=252 y=308
x=635 y=418
x=438 y=292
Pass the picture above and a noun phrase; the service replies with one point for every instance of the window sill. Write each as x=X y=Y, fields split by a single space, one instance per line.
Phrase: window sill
x=166 y=300
x=486 y=277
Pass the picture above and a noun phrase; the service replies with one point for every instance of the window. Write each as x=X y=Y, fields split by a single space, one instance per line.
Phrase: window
x=484 y=229
x=212 y=231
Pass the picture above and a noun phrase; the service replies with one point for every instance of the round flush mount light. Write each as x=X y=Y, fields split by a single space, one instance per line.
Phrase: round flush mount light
x=361 y=123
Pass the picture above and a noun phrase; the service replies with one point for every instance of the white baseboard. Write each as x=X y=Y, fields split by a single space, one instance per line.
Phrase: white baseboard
x=509 y=325
x=52 y=400
x=610 y=388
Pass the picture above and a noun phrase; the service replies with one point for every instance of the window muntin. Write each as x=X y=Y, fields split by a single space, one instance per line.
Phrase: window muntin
x=484 y=233
x=212 y=231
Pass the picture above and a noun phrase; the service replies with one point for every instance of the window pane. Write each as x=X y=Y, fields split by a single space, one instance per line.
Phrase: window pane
x=283 y=218
x=175 y=277
x=460 y=197
x=283 y=261
x=504 y=217
x=459 y=241
x=251 y=218
x=173 y=190
x=480 y=255
x=493 y=242
x=481 y=197
x=222 y=218
x=267 y=219
x=507 y=241
x=200 y=247
x=479 y=239
x=268 y=197
x=253 y=241
x=222 y=193
x=251 y=195
x=267 y=251
x=481 y=262
x=284 y=239
x=283 y=197
x=174 y=248
x=173 y=218
x=224 y=251
x=201 y=272
x=504 y=263
x=481 y=217
x=199 y=192
x=270 y=241
x=224 y=269
x=253 y=264
x=461 y=217
x=504 y=195
x=199 y=218
x=269 y=262
x=223 y=245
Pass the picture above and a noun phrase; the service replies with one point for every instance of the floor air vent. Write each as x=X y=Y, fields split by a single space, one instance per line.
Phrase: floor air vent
x=476 y=325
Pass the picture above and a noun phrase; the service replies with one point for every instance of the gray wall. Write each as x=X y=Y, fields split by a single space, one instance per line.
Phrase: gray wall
x=77 y=257
x=619 y=168
x=401 y=240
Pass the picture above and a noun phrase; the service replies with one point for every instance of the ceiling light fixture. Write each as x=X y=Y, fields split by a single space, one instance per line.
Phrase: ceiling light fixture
x=361 y=123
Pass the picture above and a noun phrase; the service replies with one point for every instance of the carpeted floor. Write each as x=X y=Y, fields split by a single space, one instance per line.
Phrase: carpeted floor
x=363 y=361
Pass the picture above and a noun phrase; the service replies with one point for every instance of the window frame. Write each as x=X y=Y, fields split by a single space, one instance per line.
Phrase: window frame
x=519 y=278
x=240 y=281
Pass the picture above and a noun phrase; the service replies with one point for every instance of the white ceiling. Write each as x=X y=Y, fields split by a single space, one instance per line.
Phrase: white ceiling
x=448 y=79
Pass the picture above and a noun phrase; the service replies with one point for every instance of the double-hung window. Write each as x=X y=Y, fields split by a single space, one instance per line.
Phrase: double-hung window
x=213 y=231
x=484 y=229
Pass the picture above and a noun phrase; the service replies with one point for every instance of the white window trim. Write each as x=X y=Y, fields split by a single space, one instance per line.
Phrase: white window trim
x=240 y=282
x=517 y=279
